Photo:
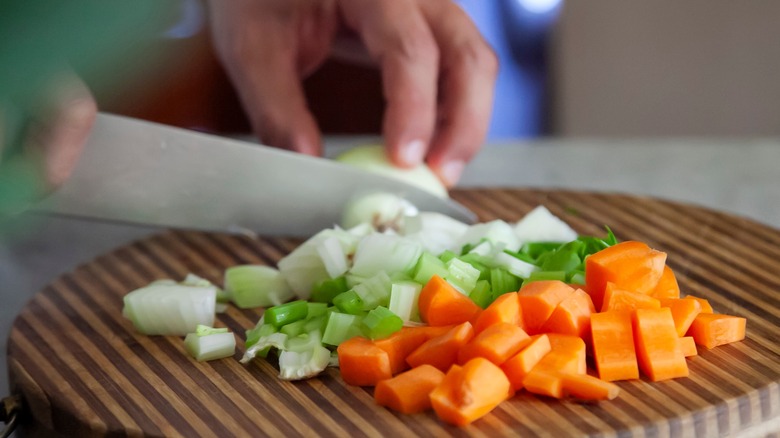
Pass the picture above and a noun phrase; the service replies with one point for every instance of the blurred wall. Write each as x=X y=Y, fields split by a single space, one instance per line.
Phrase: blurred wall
x=667 y=68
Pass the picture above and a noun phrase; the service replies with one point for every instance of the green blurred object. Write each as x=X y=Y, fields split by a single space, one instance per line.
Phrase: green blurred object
x=44 y=41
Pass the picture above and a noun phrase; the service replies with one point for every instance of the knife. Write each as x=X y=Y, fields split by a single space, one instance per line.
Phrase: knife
x=141 y=172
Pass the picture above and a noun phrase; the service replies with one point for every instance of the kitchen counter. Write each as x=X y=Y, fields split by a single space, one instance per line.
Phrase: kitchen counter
x=740 y=177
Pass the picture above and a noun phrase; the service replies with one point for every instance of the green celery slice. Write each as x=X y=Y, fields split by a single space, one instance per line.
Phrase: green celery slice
x=325 y=291
x=340 y=327
x=482 y=294
x=381 y=323
x=427 y=266
x=502 y=281
x=286 y=313
x=349 y=302
x=547 y=275
x=462 y=275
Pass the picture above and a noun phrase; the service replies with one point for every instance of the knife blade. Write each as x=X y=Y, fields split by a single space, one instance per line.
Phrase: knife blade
x=142 y=172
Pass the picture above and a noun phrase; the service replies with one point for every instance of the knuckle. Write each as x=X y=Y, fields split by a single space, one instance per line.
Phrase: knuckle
x=477 y=56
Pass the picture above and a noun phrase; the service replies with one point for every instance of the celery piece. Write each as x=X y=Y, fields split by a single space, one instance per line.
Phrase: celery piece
x=462 y=275
x=547 y=275
x=204 y=330
x=332 y=256
x=293 y=328
x=297 y=365
x=210 y=347
x=427 y=266
x=385 y=253
x=304 y=341
x=254 y=334
x=565 y=258
x=403 y=300
x=536 y=249
x=576 y=277
x=481 y=263
x=316 y=323
x=375 y=291
x=263 y=345
x=501 y=282
x=349 y=302
x=339 y=328
x=316 y=309
x=326 y=290
x=447 y=256
x=482 y=294
x=381 y=323
x=286 y=313
x=256 y=286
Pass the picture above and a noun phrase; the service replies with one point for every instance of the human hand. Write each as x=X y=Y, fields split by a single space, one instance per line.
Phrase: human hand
x=51 y=141
x=438 y=73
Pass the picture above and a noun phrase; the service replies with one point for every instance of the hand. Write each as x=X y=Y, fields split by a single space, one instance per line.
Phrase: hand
x=438 y=72
x=52 y=141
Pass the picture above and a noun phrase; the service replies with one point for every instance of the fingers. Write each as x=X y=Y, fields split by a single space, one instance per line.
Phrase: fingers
x=468 y=74
x=261 y=44
x=397 y=36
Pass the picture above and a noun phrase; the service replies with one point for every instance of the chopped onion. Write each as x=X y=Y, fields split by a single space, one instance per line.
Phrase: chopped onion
x=383 y=211
x=495 y=231
x=540 y=225
x=332 y=255
x=382 y=252
x=435 y=231
x=170 y=309
x=256 y=286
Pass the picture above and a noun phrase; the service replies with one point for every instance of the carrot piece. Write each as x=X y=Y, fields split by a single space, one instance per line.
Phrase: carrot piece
x=705 y=304
x=585 y=387
x=496 y=343
x=571 y=316
x=683 y=312
x=441 y=304
x=688 y=346
x=431 y=331
x=469 y=392
x=544 y=382
x=711 y=330
x=620 y=299
x=667 y=286
x=409 y=392
x=362 y=363
x=505 y=308
x=657 y=344
x=401 y=344
x=567 y=355
x=519 y=365
x=613 y=346
x=538 y=300
x=442 y=351
x=631 y=265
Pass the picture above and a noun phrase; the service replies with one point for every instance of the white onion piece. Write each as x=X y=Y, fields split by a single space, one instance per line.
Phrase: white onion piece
x=170 y=309
x=494 y=231
x=539 y=225
x=380 y=210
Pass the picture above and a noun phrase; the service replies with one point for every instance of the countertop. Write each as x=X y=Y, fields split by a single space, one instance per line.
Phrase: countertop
x=737 y=176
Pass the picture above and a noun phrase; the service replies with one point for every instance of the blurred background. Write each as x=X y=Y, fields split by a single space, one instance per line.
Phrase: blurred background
x=602 y=68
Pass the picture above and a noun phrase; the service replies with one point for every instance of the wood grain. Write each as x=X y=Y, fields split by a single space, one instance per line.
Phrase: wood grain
x=84 y=371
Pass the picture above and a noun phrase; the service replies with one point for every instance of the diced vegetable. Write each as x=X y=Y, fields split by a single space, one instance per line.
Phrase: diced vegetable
x=571 y=316
x=613 y=345
x=567 y=354
x=441 y=304
x=496 y=343
x=385 y=253
x=621 y=299
x=532 y=350
x=340 y=327
x=209 y=343
x=667 y=286
x=404 y=297
x=538 y=300
x=362 y=363
x=286 y=313
x=539 y=225
x=710 y=330
x=505 y=309
x=381 y=322
x=256 y=286
x=657 y=345
x=683 y=312
x=409 y=392
x=170 y=309
x=401 y=344
x=704 y=303
x=442 y=351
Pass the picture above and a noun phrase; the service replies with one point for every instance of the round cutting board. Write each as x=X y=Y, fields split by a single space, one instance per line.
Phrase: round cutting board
x=83 y=370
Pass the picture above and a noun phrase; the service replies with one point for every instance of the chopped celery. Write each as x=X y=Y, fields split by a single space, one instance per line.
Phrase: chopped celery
x=501 y=282
x=263 y=345
x=514 y=265
x=333 y=257
x=576 y=277
x=375 y=291
x=482 y=294
x=403 y=300
x=210 y=346
x=381 y=323
x=349 y=302
x=293 y=328
x=316 y=309
x=286 y=313
x=256 y=286
x=315 y=323
x=326 y=290
x=204 y=330
x=565 y=258
x=462 y=275
x=447 y=256
x=385 y=253
x=294 y=365
x=547 y=275
x=481 y=263
x=340 y=327
x=427 y=266
x=304 y=341
x=259 y=331
x=535 y=249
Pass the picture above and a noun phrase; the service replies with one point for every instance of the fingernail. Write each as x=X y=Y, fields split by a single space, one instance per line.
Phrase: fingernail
x=413 y=152
x=450 y=171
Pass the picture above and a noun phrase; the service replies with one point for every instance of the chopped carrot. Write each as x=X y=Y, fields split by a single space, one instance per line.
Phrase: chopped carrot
x=631 y=265
x=711 y=330
x=538 y=300
x=613 y=346
x=431 y=331
x=705 y=304
x=441 y=304
x=688 y=346
x=567 y=355
x=667 y=286
x=621 y=299
x=571 y=316
x=401 y=344
x=519 y=365
x=469 y=392
x=505 y=308
x=683 y=312
x=362 y=363
x=544 y=382
x=442 y=351
x=496 y=343
x=585 y=387
x=409 y=392
x=657 y=344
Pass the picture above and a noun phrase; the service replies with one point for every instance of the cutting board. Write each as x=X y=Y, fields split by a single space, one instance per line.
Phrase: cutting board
x=83 y=370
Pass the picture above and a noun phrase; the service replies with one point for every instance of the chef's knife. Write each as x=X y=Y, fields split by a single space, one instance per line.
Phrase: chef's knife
x=143 y=172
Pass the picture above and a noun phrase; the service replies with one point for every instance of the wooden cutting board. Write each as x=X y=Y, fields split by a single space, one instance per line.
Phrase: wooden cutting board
x=83 y=370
